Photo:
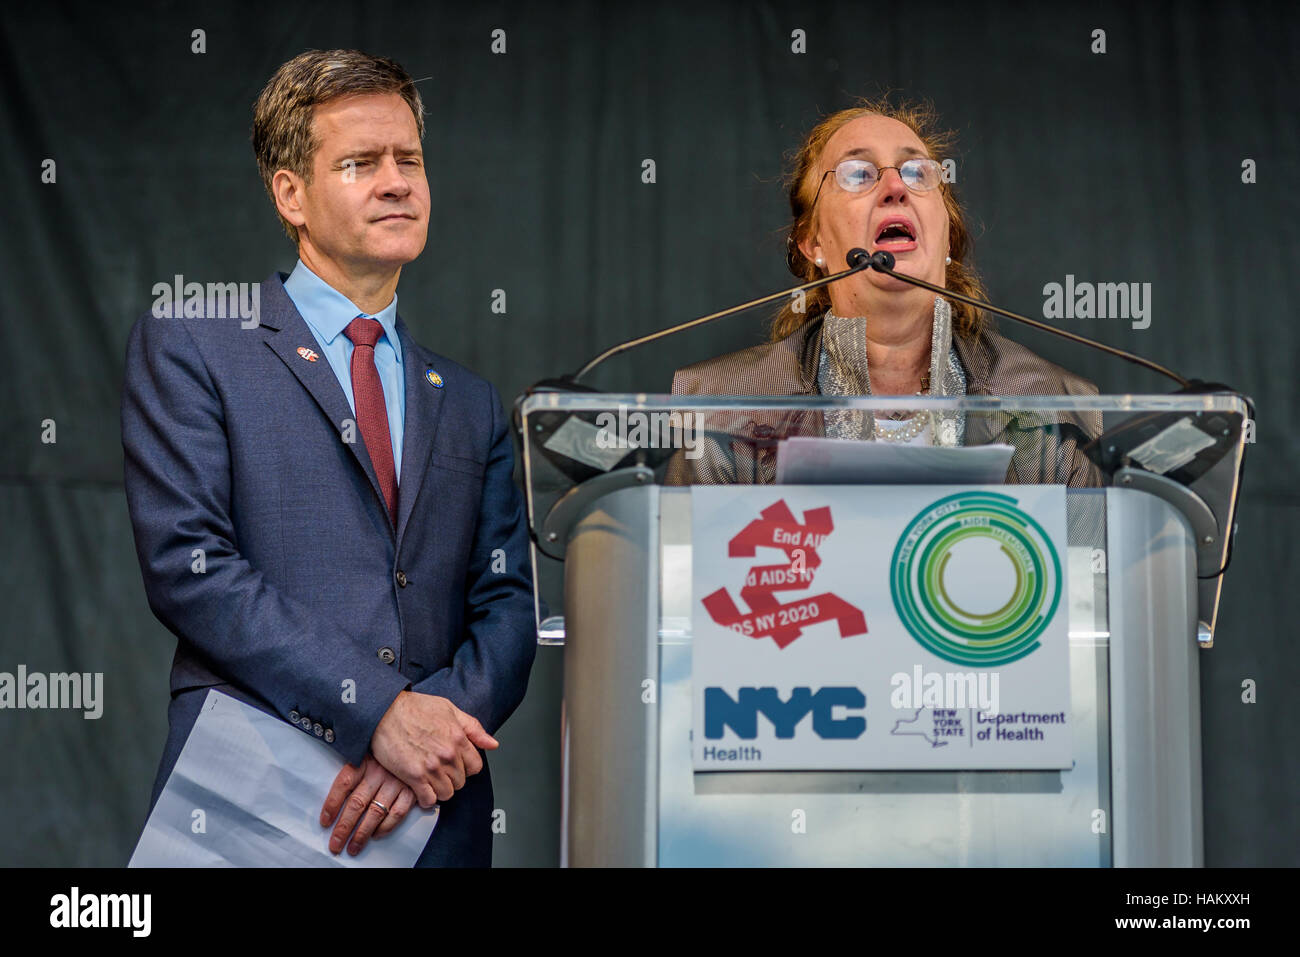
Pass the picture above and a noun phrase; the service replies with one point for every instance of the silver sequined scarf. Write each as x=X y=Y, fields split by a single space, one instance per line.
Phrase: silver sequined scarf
x=842 y=370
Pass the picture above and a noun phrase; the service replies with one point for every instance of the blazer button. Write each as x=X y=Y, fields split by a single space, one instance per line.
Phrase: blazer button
x=293 y=717
x=329 y=735
x=386 y=655
x=401 y=578
x=306 y=723
x=318 y=729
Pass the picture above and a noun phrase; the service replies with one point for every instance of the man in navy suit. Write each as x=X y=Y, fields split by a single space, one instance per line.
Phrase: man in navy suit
x=324 y=510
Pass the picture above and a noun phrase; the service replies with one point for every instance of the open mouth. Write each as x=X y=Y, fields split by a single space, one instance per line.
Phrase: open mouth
x=896 y=232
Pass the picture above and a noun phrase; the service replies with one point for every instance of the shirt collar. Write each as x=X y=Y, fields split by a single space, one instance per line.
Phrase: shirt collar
x=328 y=311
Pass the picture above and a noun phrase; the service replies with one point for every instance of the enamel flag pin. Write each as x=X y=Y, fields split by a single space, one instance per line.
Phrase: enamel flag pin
x=307 y=354
x=435 y=380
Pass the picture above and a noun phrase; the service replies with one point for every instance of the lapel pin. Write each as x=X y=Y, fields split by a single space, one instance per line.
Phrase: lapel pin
x=435 y=380
x=307 y=354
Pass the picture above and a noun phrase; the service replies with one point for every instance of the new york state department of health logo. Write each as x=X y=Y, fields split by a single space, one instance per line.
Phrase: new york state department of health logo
x=1018 y=569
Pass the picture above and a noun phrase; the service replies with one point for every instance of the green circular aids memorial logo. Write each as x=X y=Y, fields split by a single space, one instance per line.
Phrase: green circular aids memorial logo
x=975 y=579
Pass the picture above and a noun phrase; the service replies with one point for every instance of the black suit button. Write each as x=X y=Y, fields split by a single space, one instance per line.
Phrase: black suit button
x=305 y=723
x=318 y=729
x=293 y=717
x=329 y=735
x=401 y=579
x=386 y=655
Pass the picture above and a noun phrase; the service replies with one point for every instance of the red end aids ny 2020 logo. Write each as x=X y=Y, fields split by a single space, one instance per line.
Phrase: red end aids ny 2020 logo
x=768 y=617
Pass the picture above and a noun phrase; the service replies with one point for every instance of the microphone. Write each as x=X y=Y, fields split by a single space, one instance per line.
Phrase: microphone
x=572 y=383
x=883 y=262
x=1110 y=450
x=879 y=260
x=578 y=455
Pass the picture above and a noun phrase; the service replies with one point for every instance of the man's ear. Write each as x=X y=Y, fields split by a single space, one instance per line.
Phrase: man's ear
x=288 y=189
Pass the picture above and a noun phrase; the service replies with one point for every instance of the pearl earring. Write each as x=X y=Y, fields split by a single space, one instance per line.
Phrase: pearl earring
x=947 y=260
x=820 y=261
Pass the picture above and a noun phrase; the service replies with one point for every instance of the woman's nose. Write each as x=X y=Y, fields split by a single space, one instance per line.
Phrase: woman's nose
x=892 y=186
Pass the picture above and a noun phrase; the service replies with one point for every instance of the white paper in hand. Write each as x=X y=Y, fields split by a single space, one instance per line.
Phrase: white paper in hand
x=260 y=784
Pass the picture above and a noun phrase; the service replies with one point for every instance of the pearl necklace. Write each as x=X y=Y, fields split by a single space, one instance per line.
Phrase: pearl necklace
x=907 y=432
x=914 y=428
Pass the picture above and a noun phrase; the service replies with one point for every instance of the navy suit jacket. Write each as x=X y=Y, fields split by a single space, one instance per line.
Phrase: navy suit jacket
x=266 y=547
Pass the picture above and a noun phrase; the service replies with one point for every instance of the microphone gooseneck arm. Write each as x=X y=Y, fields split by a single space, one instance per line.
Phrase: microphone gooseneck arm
x=883 y=262
x=691 y=324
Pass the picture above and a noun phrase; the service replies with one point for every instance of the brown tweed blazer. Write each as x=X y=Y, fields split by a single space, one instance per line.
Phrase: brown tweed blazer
x=740 y=447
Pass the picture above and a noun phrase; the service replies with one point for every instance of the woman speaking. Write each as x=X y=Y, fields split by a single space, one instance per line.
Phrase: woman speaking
x=868 y=177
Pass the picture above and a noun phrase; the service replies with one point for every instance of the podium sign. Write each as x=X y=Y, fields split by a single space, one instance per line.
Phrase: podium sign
x=890 y=628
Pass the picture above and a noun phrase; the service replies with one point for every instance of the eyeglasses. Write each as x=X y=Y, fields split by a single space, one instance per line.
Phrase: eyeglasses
x=920 y=175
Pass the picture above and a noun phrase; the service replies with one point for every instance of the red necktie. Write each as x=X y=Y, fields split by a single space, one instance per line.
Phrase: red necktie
x=372 y=413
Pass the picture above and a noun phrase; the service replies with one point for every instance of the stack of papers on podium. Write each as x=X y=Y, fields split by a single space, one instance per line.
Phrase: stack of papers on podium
x=247 y=791
x=818 y=461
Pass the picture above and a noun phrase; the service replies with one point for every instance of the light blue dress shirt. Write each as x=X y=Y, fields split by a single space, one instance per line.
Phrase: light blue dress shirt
x=328 y=312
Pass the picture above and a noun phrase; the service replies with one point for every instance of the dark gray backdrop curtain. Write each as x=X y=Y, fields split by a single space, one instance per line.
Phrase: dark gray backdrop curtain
x=1116 y=166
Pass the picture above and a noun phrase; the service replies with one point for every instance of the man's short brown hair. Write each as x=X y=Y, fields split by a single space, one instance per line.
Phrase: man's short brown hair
x=283 y=115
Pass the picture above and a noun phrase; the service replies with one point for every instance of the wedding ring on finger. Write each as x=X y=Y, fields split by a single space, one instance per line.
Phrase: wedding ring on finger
x=378 y=805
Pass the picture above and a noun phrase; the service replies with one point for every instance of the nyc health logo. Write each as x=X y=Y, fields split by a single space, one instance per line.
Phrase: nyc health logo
x=975 y=579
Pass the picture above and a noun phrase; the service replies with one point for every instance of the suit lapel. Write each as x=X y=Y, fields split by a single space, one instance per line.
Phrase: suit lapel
x=978 y=357
x=424 y=403
x=810 y=352
x=292 y=332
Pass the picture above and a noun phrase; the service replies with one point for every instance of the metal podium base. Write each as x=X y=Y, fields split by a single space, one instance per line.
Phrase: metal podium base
x=1133 y=797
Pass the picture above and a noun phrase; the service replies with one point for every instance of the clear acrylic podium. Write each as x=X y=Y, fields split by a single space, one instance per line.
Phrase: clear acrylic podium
x=1152 y=484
